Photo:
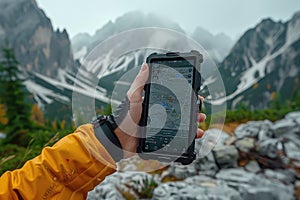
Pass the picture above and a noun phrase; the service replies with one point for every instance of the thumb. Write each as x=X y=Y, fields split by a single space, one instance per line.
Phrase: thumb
x=135 y=92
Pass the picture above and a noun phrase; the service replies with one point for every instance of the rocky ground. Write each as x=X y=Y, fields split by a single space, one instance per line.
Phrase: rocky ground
x=260 y=161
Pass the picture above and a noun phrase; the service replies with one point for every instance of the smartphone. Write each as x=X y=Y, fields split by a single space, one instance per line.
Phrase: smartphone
x=170 y=106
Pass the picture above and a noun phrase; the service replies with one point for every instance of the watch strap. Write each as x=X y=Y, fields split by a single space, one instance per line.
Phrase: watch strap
x=107 y=138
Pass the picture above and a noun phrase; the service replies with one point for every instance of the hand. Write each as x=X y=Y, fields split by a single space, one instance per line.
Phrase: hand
x=127 y=132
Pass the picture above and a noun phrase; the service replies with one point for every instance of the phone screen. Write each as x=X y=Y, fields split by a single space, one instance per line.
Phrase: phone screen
x=169 y=115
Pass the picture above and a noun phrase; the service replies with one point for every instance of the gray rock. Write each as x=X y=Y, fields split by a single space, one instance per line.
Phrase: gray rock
x=213 y=137
x=249 y=129
x=105 y=191
x=203 y=181
x=255 y=129
x=280 y=190
x=221 y=192
x=193 y=189
x=245 y=144
x=284 y=176
x=292 y=150
x=283 y=126
x=270 y=147
x=181 y=171
x=295 y=116
x=217 y=136
x=124 y=181
x=226 y=156
x=265 y=131
x=206 y=165
x=251 y=185
x=137 y=181
x=203 y=147
x=297 y=164
x=258 y=193
x=253 y=166
x=173 y=189
x=214 y=189
x=237 y=175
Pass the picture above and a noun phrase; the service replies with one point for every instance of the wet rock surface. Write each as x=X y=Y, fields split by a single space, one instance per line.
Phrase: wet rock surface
x=262 y=162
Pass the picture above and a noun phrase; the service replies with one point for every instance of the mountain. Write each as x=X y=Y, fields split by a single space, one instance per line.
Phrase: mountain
x=264 y=62
x=25 y=27
x=84 y=43
x=45 y=57
x=217 y=46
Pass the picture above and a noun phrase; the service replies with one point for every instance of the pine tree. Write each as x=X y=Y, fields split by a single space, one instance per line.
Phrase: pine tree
x=13 y=95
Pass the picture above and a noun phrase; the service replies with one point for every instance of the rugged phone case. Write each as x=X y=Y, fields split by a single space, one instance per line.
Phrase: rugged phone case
x=190 y=155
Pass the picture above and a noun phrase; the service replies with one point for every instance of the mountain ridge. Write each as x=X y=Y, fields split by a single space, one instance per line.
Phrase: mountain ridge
x=83 y=43
x=265 y=51
x=264 y=61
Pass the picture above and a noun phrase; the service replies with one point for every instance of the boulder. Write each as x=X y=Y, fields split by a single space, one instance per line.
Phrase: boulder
x=292 y=150
x=204 y=181
x=270 y=147
x=171 y=190
x=283 y=126
x=198 y=188
x=139 y=181
x=255 y=129
x=238 y=175
x=105 y=191
x=226 y=156
x=287 y=176
x=217 y=136
x=212 y=137
x=257 y=193
x=249 y=129
x=254 y=186
x=214 y=189
x=245 y=144
x=265 y=131
x=206 y=165
x=253 y=166
x=130 y=182
x=280 y=190
x=181 y=171
x=294 y=116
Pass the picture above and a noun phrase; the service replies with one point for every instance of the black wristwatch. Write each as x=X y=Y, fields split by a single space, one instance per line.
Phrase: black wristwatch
x=104 y=127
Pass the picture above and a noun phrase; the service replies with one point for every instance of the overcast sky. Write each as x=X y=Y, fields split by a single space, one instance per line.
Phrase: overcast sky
x=231 y=17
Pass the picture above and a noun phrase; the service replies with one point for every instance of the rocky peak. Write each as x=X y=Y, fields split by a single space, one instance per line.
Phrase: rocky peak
x=296 y=16
x=262 y=63
x=26 y=28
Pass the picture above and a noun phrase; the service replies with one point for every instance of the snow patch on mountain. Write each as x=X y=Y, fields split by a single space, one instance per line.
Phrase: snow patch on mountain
x=293 y=31
x=44 y=95
x=79 y=55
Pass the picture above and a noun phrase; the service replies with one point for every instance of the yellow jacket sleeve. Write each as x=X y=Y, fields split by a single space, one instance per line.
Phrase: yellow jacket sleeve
x=68 y=170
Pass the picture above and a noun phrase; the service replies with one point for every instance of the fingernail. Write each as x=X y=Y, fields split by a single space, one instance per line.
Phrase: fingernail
x=144 y=67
